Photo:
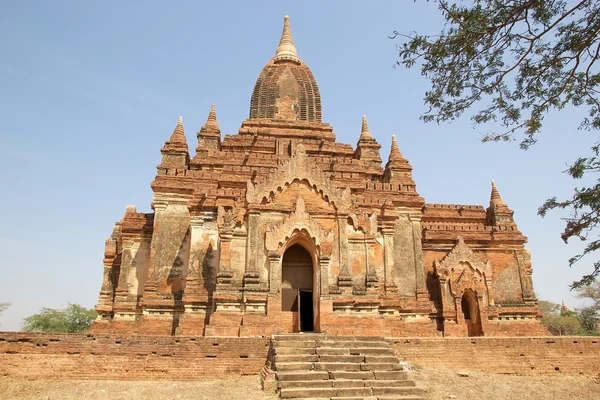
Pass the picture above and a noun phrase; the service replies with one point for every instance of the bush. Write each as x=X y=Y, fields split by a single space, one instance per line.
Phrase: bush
x=72 y=319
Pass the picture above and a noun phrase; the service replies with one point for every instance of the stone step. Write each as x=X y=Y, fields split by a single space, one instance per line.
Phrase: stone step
x=308 y=392
x=335 y=344
x=341 y=359
x=309 y=384
x=328 y=351
x=302 y=375
x=389 y=383
x=381 y=367
x=295 y=343
x=348 y=383
x=294 y=351
x=293 y=366
x=296 y=336
x=283 y=358
x=339 y=366
x=380 y=359
x=377 y=391
x=373 y=351
x=390 y=375
x=351 y=375
x=355 y=398
x=354 y=392
x=377 y=344
x=297 y=393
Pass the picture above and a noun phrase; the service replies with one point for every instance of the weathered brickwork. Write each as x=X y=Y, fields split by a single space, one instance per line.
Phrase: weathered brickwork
x=507 y=355
x=280 y=228
x=101 y=356
x=71 y=356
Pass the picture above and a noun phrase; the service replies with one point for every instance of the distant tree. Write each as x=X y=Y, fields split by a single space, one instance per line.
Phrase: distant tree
x=591 y=292
x=559 y=323
x=511 y=63
x=3 y=306
x=589 y=319
x=72 y=319
x=590 y=315
x=562 y=324
x=548 y=307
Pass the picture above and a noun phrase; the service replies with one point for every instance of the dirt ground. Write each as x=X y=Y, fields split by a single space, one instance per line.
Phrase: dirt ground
x=445 y=384
x=442 y=384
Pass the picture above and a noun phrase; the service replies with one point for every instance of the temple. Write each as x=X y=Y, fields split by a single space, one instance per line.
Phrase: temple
x=280 y=228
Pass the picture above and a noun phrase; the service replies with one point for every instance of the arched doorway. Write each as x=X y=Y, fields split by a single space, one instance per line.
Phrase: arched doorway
x=470 y=309
x=297 y=287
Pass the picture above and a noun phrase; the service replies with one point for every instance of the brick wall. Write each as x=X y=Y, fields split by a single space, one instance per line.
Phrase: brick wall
x=100 y=356
x=40 y=355
x=505 y=355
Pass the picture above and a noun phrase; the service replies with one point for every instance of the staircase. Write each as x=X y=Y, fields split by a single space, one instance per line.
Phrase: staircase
x=320 y=367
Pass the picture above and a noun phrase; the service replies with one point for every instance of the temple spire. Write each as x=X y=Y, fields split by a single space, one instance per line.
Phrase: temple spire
x=495 y=199
x=364 y=132
x=286 y=49
x=211 y=123
x=178 y=136
x=175 y=153
x=209 y=136
x=395 y=154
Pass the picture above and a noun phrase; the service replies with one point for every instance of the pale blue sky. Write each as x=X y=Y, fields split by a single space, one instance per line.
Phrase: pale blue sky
x=91 y=90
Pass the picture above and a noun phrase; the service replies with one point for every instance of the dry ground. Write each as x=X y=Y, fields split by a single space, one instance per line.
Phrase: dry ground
x=445 y=384
x=442 y=384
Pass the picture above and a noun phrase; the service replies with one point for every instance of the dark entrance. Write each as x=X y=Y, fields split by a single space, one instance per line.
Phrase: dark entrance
x=306 y=311
x=470 y=309
x=297 y=287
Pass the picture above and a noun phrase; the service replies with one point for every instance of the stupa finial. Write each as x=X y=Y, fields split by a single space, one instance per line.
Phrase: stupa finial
x=495 y=199
x=286 y=49
x=178 y=135
x=364 y=131
x=395 y=154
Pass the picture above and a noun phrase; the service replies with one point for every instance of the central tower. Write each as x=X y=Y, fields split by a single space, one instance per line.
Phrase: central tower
x=286 y=89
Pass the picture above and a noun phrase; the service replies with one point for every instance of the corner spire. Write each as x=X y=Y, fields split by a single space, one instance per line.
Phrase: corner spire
x=495 y=199
x=286 y=49
x=178 y=136
x=364 y=131
x=211 y=123
x=175 y=153
x=395 y=154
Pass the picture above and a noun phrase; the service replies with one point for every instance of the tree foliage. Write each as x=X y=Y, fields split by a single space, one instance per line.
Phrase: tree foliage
x=3 y=307
x=511 y=63
x=548 y=307
x=559 y=322
x=591 y=292
x=562 y=324
x=590 y=315
x=72 y=319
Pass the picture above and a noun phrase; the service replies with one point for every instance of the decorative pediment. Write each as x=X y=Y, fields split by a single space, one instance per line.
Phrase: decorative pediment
x=300 y=220
x=462 y=269
x=299 y=167
x=460 y=256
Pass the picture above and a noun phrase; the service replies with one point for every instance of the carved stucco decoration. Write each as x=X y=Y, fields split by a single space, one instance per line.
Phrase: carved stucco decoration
x=364 y=222
x=299 y=167
x=299 y=220
x=462 y=269
x=226 y=218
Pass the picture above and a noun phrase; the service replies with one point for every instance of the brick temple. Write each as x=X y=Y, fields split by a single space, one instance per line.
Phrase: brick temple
x=280 y=228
